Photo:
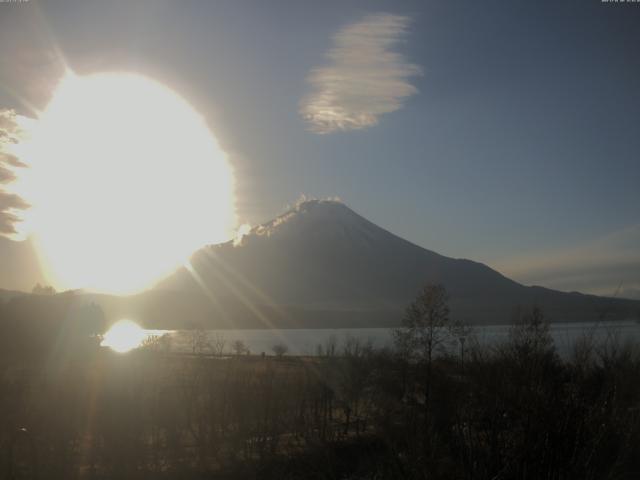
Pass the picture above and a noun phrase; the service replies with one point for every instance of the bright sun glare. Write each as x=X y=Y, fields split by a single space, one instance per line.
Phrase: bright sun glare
x=125 y=182
x=123 y=336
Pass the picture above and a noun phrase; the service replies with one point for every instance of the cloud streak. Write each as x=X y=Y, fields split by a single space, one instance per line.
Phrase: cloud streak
x=607 y=266
x=364 y=78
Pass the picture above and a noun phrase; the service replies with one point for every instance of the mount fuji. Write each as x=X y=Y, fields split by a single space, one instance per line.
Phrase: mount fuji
x=322 y=265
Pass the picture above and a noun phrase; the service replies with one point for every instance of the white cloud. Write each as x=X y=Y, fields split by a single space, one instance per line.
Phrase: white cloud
x=242 y=231
x=364 y=79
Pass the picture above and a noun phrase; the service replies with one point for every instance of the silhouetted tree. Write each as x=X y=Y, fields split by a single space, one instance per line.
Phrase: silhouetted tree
x=280 y=349
x=529 y=338
x=199 y=340
x=218 y=344
x=43 y=290
x=329 y=349
x=239 y=347
x=426 y=326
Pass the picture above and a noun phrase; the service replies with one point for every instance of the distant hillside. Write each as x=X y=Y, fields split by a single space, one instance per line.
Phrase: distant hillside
x=6 y=295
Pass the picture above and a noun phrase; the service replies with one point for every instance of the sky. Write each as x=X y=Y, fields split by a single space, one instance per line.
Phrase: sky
x=505 y=132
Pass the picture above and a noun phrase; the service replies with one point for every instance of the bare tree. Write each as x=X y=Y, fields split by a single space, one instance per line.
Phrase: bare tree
x=218 y=344
x=530 y=333
x=239 y=347
x=199 y=340
x=280 y=349
x=157 y=343
x=426 y=326
x=329 y=349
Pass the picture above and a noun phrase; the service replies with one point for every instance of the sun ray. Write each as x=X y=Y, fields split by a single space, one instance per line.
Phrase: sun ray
x=207 y=291
x=269 y=324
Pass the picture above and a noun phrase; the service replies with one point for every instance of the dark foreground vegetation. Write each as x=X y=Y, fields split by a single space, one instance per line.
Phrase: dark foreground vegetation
x=516 y=411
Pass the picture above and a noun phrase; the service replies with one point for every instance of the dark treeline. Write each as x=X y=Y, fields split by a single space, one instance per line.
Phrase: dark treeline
x=435 y=406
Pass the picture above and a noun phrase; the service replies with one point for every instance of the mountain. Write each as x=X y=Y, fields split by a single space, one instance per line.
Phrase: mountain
x=19 y=265
x=318 y=265
x=322 y=264
x=6 y=295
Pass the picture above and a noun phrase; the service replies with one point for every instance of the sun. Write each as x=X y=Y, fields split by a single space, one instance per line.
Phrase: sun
x=125 y=182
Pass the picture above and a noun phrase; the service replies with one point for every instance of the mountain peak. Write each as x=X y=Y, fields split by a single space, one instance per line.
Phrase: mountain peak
x=316 y=206
x=316 y=214
x=305 y=204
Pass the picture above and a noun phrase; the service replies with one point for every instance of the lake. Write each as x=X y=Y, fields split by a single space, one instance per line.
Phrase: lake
x=306 y=341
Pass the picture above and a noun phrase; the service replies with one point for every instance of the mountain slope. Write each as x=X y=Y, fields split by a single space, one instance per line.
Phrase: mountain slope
x=321 y=264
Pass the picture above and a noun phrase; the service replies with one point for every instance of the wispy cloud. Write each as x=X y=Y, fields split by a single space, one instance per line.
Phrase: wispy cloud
x=364 y=79
x=606 y=266
x=10 y=204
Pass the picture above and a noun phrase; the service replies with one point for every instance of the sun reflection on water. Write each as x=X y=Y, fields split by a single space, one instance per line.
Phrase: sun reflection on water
x=124 y=336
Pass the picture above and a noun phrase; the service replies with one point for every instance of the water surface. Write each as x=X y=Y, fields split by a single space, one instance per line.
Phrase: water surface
x=306 y=341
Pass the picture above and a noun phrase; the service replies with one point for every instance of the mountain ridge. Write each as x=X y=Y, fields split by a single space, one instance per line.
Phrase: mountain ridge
x=321 y=255
x=319 y=265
